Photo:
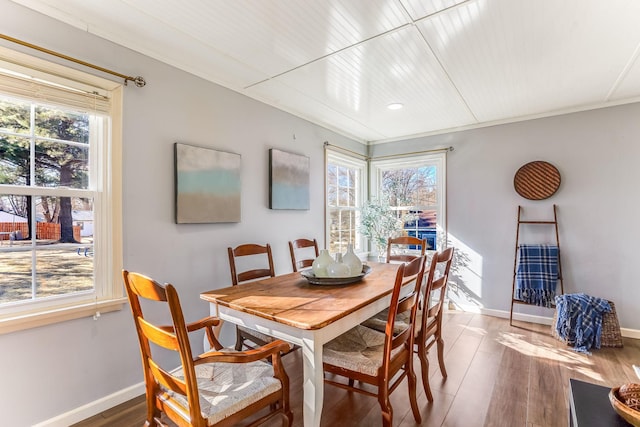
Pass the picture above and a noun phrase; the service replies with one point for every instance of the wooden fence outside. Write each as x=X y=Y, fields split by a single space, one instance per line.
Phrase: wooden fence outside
x=44 y=230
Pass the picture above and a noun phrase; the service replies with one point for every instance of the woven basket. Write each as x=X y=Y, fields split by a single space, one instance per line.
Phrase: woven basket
x=611 y=336
x=630 y=415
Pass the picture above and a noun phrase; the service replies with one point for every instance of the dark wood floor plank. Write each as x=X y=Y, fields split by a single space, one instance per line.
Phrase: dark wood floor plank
x=547 y=404
x=627 y=358
x=472 y=401
x=434 y=413
x=508 y=404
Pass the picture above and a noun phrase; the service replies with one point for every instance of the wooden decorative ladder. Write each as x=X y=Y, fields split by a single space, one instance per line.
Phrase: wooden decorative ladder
x=515 y=258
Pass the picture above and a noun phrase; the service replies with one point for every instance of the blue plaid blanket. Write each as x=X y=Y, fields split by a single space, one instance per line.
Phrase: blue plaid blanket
x=537 y=274
x=579 y=320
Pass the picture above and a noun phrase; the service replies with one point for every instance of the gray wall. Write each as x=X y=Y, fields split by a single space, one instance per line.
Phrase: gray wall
x=54 y=369
x=597 y=154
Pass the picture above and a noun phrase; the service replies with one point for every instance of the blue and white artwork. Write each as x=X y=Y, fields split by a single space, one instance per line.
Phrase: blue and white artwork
x=288 y=180
x=207 y=185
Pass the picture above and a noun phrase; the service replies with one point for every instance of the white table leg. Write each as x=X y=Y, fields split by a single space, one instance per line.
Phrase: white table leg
x=313 y=386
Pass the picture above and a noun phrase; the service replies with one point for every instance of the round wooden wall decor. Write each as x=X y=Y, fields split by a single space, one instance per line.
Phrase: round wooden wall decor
x=537 y=180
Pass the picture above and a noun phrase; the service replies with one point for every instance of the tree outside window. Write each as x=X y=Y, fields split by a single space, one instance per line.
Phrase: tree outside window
x=44 y=151
x=414 y=188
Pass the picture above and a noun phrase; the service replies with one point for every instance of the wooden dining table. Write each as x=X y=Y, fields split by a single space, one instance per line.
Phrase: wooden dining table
x=289 y=308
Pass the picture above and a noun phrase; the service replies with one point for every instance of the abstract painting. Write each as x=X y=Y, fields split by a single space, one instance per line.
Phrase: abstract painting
x=207 y=185
x=288 y=180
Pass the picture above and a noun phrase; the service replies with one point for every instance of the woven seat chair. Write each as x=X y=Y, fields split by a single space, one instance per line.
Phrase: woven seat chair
x=428 y=329
x=261 y=260
x=429 y=322
x=380 y=359
x=218 y=388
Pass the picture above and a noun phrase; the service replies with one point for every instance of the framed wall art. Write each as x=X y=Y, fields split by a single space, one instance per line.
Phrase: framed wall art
x=207 y=184
x=288 y=180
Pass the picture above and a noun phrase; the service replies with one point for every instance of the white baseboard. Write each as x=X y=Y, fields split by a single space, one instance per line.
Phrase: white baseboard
x=630 y=333
x=542 y=320
x=94 y=408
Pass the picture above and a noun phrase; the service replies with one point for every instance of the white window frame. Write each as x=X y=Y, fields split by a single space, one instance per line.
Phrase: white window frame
x=336 y=157
x=439 y=160
x=108 y=294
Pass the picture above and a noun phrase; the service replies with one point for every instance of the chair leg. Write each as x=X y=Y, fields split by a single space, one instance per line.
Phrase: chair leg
x=153 y=413
x=159 y=423
x=387 y=410
x=239 y=339
x=411 y=380
x=287 y=419
x=424 y=369
x=441 y=357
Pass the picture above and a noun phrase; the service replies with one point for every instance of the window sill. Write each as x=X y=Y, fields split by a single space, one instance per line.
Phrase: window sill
x=23 y=321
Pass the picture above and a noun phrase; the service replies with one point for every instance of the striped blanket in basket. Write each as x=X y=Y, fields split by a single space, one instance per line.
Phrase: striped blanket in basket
x=579 y=320
x=537 y=274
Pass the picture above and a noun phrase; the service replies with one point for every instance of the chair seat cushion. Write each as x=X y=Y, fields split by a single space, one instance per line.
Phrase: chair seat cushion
x=226 y=388
x=379 y=321
x=359 y=349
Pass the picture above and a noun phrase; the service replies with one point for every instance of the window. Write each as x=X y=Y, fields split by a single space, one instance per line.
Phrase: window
x=60 y=215
x=415 y=187
x=345 y=190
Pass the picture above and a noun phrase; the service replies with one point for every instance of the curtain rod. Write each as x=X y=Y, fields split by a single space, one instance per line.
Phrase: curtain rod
x=336 y=147
x=437 y=150
x=138 y=80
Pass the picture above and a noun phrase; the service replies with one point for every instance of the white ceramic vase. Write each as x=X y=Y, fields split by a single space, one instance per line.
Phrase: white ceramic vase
x=338 y=268
x=320 y=264
x=351 y=259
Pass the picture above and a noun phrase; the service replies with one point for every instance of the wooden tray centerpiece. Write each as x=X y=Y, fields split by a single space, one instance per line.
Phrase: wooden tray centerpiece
x=332 y=281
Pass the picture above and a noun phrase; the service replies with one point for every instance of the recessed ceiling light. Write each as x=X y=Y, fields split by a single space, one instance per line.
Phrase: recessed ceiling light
x=395 y=106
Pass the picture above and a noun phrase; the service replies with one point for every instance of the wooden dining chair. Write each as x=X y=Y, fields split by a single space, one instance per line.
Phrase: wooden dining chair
x=428 y=329
x=395 y=244
x=261 y=257
x=398 y=248
x=257 y=263
x=429 y=317
x=217 y=388
x=381 y=359
x=303 y=247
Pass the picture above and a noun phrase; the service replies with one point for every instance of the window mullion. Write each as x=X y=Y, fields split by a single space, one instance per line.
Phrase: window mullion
x=32 y=179
x=32 y=145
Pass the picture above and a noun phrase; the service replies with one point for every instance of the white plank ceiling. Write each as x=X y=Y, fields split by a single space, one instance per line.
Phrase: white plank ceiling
x=453 y=64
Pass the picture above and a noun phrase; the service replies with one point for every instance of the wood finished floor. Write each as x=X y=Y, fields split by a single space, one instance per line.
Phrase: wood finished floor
x=498 y=375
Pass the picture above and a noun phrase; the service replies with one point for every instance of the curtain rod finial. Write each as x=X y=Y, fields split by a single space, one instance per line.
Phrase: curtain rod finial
x=139 y=81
